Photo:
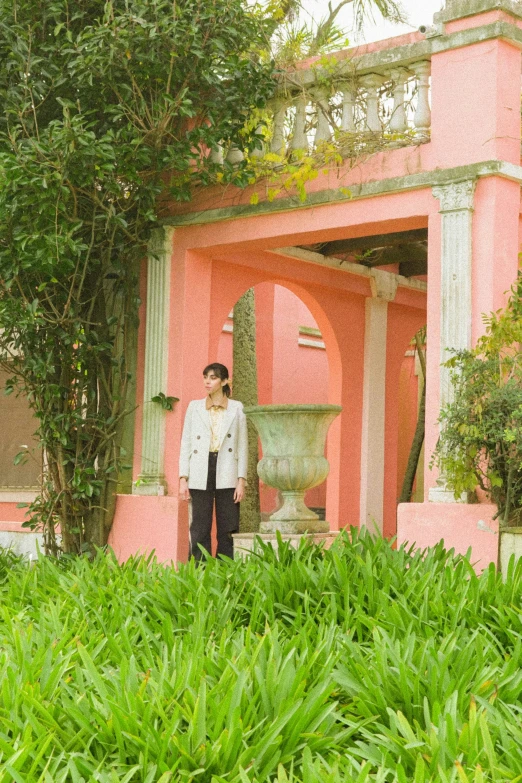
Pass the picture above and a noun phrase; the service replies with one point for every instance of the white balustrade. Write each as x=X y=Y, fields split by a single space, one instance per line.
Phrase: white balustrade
x=395 y=101
x=349 y=95
x=259 y=152
x=422 y=118
x=398 y=120
x=278 y=145
x=372 y=84
x=235 y=155
x=216 y=155
x=323 y=132
x=299 y=140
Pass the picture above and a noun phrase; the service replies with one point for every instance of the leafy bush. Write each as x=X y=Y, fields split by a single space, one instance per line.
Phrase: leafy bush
x=107 y=113
x=355 y=664
x=481 y=433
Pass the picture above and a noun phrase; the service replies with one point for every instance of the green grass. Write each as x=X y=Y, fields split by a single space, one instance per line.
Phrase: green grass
x=357 y=664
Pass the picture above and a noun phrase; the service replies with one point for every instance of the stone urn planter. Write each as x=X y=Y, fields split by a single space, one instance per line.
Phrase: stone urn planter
x=293 y=438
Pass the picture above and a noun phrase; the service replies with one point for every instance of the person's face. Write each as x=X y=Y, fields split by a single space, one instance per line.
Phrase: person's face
x=213 y=383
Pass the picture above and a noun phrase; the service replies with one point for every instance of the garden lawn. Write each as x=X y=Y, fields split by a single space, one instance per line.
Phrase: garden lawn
x=360 y=663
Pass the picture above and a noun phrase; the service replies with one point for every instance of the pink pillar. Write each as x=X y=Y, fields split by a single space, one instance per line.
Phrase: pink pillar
x=495 y=246
x=189 y=353
x=473 y=235
x=346 y=317
x=473 y=261
x=160 y=523
x=492 y=211
x=475 y=99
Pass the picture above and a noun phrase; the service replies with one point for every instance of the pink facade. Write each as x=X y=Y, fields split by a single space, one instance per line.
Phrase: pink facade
x=450 y=188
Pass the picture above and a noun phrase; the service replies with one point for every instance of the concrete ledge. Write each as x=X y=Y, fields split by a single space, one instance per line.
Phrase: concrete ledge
x=146 y=523
x=248 y=543
x=510 y=544
x=378 y=187
x=460 y=526
x=19 y=540
x=381 y=60
x=464 y=8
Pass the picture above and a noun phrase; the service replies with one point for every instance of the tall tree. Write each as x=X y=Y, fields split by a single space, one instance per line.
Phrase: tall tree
x=245 y=389
x=104 y=106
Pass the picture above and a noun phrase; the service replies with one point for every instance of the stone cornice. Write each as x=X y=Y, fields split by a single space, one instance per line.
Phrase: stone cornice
x=460 y=9
x=403 y=56
x=424 y=179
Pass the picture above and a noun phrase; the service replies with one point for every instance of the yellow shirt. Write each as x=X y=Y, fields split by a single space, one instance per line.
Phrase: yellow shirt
x=216 y=417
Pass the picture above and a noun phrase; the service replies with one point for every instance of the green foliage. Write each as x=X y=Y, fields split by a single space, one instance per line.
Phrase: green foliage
x=166 y=402
x=481 y=435
x=105 y=106
x=300 y=35
x=360 y=663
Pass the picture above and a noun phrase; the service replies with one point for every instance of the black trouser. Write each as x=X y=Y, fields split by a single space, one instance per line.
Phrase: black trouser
x=227 y=515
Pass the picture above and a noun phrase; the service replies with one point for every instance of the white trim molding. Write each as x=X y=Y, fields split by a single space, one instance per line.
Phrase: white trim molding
x=151 y=480
x=456 y=208
x=384 y=288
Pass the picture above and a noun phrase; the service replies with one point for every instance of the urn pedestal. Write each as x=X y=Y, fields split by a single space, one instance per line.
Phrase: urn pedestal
x=293 y=438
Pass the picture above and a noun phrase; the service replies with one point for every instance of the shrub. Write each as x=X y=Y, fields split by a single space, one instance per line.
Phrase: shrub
x=355 y=664
x=481 y=428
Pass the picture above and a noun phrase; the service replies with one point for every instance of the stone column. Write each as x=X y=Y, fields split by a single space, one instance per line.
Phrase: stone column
x=151 y=480
x=456 y=208
x=384 y=288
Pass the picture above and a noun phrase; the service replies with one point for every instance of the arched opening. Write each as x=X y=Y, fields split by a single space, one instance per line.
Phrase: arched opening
x=292 y=363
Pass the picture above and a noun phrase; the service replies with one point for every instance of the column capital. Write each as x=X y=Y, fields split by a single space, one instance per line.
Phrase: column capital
x=456 y=206
x=383 y=284
x=159 y=241
x=456 y=195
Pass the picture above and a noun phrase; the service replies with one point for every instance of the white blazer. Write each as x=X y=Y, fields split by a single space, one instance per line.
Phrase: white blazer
x=232 y=460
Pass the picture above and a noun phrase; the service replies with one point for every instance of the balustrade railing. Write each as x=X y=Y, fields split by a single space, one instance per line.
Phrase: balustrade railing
x=394 y=105
x=385 y=108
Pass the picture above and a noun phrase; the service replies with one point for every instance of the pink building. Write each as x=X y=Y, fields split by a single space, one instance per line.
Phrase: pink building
x=425 y=231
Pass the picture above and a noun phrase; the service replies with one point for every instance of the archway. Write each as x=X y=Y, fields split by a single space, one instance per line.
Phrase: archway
x=292 y=362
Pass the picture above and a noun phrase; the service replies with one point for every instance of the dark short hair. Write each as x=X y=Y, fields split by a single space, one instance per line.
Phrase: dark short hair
x=222 y=372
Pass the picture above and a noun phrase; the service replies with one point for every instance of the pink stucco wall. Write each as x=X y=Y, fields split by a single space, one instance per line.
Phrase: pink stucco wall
x=461 y=526
x=298 y=374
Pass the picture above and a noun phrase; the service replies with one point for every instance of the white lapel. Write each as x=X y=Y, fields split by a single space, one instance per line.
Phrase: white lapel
x=203 y=412
x=228 y=418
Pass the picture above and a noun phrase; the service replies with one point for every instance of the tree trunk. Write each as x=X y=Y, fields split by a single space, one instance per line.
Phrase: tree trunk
x=418 y=438
x=245 y=390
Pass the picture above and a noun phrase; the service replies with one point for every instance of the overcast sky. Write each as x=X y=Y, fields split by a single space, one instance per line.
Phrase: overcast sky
x=418 y=11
